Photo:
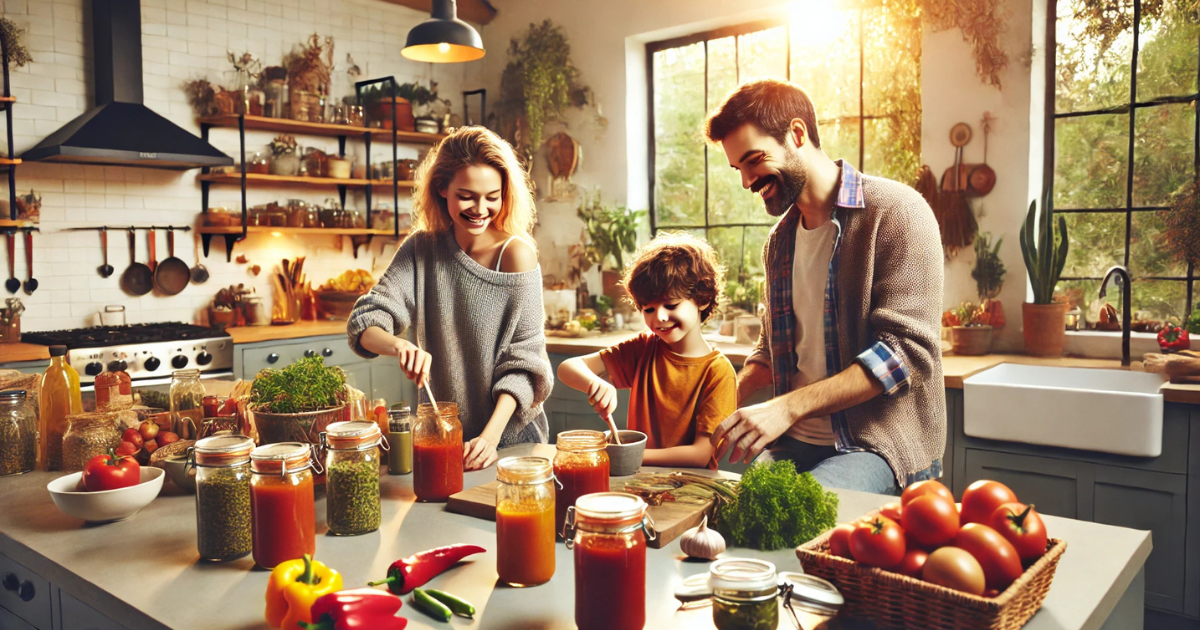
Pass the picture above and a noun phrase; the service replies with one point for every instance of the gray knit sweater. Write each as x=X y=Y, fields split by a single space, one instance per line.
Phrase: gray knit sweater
x=483 y=328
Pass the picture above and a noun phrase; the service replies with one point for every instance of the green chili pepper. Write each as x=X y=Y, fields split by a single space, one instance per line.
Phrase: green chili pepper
x=456 y=604
x=430 y=606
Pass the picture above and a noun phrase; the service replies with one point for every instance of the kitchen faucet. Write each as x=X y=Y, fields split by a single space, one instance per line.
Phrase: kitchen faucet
x=1126 y=297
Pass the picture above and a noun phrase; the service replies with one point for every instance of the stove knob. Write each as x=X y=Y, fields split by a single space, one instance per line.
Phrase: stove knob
x=179 y=362
x=310 y=353
x=272 y=358
x=327 y=352
x=94 y=368
x=203 y=358
x=151 y=363
x=114 y=366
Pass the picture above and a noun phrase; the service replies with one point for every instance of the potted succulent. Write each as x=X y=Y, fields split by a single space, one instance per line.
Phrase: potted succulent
x=971 y=329
x=612 y=233
x=1045 y=256
x=296 y=403
x=284 y=159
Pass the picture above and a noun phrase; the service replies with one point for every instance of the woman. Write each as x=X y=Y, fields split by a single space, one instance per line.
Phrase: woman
x=467 y=281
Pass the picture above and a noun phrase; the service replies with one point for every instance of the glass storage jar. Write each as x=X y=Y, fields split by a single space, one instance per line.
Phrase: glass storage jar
x=581 y=467
x=745 y=594
x=283 y=509
x=18 y=434
x=88 y=435
x=608 y=535
x=187 y=403
x=525 y=521
x=437 y=452
x=352 y=477
x=400 y=423
x=223 y=515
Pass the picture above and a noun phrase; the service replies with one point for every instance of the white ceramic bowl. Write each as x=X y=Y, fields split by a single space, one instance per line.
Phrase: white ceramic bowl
x=106 y=506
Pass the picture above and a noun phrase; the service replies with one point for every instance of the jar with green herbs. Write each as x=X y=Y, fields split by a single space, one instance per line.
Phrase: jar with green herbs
x=187 y=403
x=89 y=435
x=352 y=477
x=18 y=434
x=745 y=594
x=223 y=527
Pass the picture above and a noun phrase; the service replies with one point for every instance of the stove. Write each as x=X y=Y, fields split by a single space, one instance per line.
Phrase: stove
x=149 y=351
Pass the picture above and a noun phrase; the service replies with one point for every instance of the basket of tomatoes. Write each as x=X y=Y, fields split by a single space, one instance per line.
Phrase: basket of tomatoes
x=929 y=563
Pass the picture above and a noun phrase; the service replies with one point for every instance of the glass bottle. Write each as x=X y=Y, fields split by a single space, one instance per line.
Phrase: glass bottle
x=352 y=477
x=88 y=435
x=283 y=510
x=437 y=452
x=223 y=514
x=18 y=434
x=525 y=521
x=606 y=531
x=400 y=439
x=187 y=403
x=581 y=467
x=60 y=397
x=745 y=594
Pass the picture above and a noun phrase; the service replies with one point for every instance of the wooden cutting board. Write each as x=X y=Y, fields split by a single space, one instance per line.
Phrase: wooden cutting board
x=671 y=519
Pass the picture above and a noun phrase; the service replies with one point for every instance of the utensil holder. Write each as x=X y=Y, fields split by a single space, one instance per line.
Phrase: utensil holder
x=11 y=332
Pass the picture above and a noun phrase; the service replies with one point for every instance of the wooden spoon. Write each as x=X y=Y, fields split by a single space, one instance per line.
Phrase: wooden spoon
x=612 y=426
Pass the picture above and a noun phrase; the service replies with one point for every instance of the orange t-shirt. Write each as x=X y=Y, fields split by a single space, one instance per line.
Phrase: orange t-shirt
x=672 y=398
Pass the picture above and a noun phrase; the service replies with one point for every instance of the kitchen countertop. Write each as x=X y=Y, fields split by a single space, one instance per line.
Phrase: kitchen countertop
x=144 y=572
x=254 y=334
x=17 y=352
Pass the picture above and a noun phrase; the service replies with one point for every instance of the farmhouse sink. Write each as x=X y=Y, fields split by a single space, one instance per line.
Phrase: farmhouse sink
x=1110 y=411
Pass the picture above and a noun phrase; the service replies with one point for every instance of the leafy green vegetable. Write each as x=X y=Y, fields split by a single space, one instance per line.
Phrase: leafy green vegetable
x=776 y=507
x=306 y=385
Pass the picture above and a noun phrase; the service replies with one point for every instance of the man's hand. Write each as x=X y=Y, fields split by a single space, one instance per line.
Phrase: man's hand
x=749 y=430
x=602 y=396
x=478 y=454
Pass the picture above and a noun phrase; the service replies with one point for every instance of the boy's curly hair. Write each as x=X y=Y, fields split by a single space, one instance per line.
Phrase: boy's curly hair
x=675 y=265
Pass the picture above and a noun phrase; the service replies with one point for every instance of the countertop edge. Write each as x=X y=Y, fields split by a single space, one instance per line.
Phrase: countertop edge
x=1117 y=589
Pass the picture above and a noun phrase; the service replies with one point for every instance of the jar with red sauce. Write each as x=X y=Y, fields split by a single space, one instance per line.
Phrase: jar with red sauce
x=607 y=532
x=581 y=467
x=437 y=452
x=283 y=509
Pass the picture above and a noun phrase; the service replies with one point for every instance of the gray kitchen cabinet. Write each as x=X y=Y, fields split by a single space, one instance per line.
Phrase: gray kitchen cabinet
x=377 y=378
x=25 y=594
x=9 y=621
x=1052 y=485
x=77 y=615
x=953 y=406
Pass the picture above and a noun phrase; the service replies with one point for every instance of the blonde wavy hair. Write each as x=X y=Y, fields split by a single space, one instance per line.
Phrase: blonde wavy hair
x=473 y=146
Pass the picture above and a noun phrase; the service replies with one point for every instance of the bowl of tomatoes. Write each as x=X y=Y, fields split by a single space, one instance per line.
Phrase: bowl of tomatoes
x=110 y=488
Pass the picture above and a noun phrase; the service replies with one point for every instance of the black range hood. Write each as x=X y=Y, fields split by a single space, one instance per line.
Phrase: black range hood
x=120 y=130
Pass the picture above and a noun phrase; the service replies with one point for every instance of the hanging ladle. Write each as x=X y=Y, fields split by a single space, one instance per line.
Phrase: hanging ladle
x=12 y=284
x=106 y=269
x=31 y=284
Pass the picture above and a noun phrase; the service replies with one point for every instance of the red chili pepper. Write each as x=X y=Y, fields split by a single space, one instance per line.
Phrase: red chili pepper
x=1172 y=338
x=358 y=609
x=414 y=571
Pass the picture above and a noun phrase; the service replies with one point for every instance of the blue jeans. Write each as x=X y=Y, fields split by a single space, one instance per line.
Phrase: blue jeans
x=863 y=470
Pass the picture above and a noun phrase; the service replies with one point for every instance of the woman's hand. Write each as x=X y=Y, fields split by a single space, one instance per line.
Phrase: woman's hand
x=602 y=396
x=479 y=453
x=414 y=361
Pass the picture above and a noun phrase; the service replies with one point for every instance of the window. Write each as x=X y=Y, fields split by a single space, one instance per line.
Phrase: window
x=1124 y=140
x=865 y=89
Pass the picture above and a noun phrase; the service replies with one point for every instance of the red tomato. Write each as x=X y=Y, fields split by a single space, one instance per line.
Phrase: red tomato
x=929 y=486
x=913 y=563
x=999 y=559
x=877 y=543
x=133 y=436
x=931 y=520
x=1022 y=527
x=166 y=437
x=127 y=448
x=891 y=510
x=109 y=472
x=839 y=540
x=982 y=498
x=954 y=568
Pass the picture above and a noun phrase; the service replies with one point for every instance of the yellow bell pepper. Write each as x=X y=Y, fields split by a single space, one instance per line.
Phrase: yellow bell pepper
x=294 y=586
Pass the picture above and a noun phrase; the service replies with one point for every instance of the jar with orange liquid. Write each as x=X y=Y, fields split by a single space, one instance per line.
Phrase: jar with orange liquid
x=437 y=452
x=284 y=520
x=607 y=532
x=581 y=467
x=525 y=521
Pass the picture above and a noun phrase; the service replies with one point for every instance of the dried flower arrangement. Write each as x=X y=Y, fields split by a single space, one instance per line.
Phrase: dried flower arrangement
x=283 y=144
x=982 y=23
x=309 y=65
x=202 y=96
x=14 y=43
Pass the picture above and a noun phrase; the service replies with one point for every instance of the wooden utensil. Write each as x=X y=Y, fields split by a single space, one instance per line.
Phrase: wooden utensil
x=12 y=284
x=106 y=269
x=199 y=271
x=137 y=278
x=172 y=275
x=612 y=426
x=153 y=262
x=955 y=217
x=31 y=284
x=982 y=178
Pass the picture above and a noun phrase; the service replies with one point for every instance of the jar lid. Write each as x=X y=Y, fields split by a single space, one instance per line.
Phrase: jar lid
x=524 y=470
x=812 y=593
x=581 y=440
x=610 y=506
x=352 y=434
x=12 y=394
x=281 y=458
x=223 y=450
x=185 y=374
x=443 y=409
x=58 y=351
x=741 y=574
x=400 y=419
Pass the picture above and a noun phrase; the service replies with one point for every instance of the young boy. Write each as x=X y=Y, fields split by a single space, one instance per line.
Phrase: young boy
x=680 y=388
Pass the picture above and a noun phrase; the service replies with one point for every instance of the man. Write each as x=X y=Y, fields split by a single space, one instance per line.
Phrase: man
x=850 y=342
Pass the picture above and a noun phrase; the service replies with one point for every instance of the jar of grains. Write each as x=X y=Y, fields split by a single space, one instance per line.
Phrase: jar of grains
x=89 y=435
x=18 y=434
x=223 y=530
x=352 y=477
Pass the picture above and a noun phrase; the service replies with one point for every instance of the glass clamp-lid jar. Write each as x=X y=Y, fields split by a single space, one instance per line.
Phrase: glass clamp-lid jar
x=400 y=423
x=525 y=536
x=352 y=476
x=813 y=602
x=223 y=511
x=581 y=467
x=88 y=435
x=745 y=594
x=437 y=452
x=282 y=505
x=187 y=403
x=608 y=533
x=18 y=434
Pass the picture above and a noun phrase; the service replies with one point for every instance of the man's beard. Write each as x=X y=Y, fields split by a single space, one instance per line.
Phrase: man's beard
x=789 y=183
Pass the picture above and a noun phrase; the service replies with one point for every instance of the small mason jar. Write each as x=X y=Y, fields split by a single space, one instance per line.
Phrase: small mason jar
x=745 y=594
x=437 y=452
x=223 y=514
x=88 y=435
x=282 y=505
x=400 y=423
x=607 y=531
x=525 y=521
x=187 y=403
x=352 y=477
x=18 y=434
x=581 y=467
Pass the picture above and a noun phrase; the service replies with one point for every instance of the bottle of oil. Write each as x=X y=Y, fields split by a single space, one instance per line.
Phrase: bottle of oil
x=59 y=398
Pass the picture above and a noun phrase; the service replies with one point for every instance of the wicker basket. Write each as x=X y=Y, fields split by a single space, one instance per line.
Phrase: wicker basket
x=891 y=600
x=295 y=427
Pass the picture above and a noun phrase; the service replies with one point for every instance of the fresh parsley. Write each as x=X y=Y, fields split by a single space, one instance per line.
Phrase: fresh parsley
x=776 y=507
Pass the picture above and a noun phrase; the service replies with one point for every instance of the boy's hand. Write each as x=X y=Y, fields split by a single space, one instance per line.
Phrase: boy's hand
x=602 y=396
x=414 y=361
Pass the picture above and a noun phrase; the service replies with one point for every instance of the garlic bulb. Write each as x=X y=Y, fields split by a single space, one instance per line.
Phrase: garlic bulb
x=702 y=542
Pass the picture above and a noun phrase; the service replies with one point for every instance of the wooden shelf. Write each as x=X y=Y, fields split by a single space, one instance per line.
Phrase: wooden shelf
x=263 y=229
x=260 y=180
x=10 y=161
x=6 y=102
x=284 y=125
x=9 y=223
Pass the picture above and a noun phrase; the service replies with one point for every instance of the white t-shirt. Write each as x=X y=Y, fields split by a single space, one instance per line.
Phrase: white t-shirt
x=810 y=273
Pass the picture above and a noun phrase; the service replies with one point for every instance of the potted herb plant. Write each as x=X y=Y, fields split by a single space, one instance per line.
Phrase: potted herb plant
x=612 y=233
x=296 y=403
x=537 y=84
x=971 y=332
x=1045 y=256
x=284 y=159
x=989 y=276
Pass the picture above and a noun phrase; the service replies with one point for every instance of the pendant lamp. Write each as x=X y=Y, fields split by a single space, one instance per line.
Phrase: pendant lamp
x=443 y=38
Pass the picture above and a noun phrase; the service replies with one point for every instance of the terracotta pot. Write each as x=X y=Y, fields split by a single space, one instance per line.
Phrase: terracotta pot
x=971 y=340
x=1045 y=328
x=612 y=286
x=381 y=112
